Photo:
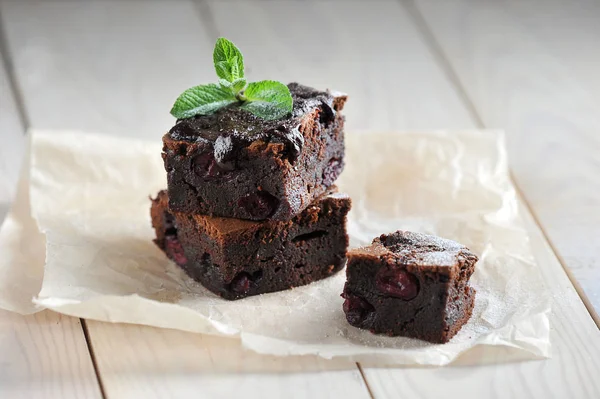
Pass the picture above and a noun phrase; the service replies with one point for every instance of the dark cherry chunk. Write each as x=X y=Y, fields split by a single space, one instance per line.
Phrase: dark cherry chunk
x=174 y=250
x=410 y=284
x=172 y=245
x=356 y=308
x=397 y=283
x=241 y=284
x=259 y=205
x=237 y=258
x=205 y=166
x=236 y=165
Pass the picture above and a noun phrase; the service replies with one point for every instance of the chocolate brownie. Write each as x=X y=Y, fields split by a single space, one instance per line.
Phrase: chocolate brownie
x=234 y=164
x=237 y=258
x=410 y=284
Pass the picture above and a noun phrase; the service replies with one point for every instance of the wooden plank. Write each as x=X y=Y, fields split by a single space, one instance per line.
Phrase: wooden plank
x=45 y=355
x=159 y=363
x=531 y=67
x=121 y=78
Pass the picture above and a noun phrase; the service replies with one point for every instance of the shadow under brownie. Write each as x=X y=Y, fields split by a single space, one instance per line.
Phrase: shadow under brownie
x=238 y=258
x=410 y=284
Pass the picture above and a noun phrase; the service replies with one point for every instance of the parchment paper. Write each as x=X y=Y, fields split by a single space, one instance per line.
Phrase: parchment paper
x=89 y=195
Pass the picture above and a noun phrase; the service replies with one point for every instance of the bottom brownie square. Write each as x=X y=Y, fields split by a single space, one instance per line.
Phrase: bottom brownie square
x=410 y=284
x=237 y=258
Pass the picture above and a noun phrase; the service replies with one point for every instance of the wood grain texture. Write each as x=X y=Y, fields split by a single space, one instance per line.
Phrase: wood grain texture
x=45 y=356
x=531 y=67
x=159 y=363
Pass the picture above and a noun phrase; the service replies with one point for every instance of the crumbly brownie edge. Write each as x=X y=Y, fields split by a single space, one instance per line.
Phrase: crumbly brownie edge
x=451 y=330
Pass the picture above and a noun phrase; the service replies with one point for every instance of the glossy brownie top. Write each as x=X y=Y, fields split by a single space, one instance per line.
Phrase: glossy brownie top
x=235 y=122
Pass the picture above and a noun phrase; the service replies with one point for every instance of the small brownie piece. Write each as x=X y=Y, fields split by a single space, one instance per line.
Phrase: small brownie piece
x=237 y=258
x=234 y=164
x=410 y=284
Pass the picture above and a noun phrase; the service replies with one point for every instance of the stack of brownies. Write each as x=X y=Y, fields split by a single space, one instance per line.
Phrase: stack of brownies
x=251 y=206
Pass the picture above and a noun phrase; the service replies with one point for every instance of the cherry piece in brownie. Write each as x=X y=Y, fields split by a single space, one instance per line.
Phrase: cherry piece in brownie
x=410 y=284
x=237 y=258
x=236 y=165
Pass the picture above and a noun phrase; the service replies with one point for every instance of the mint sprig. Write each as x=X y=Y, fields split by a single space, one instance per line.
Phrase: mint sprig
x=266 y=99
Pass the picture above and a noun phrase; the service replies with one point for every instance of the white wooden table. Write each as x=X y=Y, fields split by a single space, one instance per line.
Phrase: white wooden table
x=527 y=66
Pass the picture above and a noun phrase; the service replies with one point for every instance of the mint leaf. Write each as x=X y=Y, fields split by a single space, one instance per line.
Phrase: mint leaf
x=228 y=60
x=223 y=70
x=225 y=83
x=268 y=99
x=202 y=100
x=237 y=70
x=238 y=85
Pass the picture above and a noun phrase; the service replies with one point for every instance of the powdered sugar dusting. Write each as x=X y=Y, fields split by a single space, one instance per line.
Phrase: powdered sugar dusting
x=424 y=249
x=337 y=195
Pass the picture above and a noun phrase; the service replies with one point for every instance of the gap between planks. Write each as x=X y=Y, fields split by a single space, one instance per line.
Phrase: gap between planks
x=12 y=81
x=576 y=285
x=362 y=374
x=439 y=54
x=90 y=348
x=22 y=114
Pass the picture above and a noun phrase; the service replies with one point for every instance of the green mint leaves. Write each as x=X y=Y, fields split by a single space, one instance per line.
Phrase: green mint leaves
x=266 y=99
x=202 y=100
x=228 y=60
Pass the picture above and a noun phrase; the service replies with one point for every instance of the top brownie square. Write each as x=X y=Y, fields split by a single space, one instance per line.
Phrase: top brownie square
x=234 y=164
